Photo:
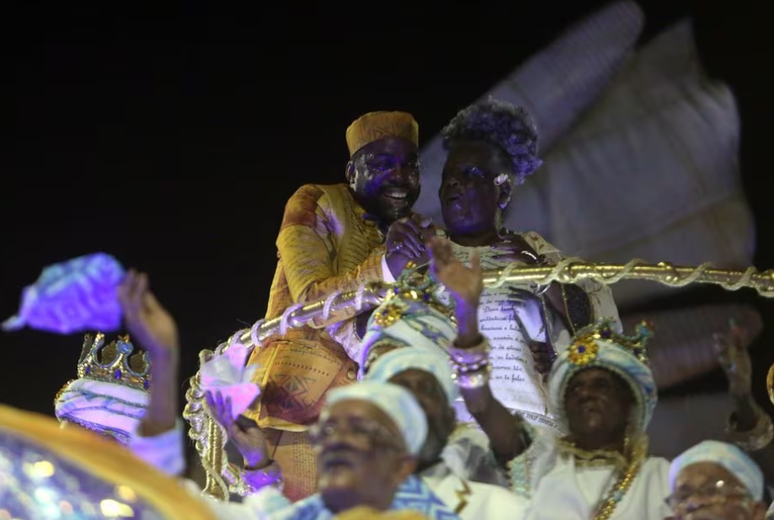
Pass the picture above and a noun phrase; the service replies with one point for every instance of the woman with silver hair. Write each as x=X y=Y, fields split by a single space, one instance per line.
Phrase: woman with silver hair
x=492 y=149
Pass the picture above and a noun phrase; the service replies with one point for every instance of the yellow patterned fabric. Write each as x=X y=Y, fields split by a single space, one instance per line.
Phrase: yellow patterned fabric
x=376 y=125
x=324 y=245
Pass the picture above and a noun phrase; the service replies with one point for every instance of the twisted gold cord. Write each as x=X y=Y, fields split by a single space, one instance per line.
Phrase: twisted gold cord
x=210 y=439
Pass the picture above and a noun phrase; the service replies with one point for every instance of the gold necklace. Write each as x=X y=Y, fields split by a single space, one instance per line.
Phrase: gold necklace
x=594 y=457
x=637 y=455
x=618 y=491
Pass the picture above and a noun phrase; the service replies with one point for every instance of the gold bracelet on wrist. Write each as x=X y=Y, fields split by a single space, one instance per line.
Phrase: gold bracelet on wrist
x=473 y=379
x=474 y=355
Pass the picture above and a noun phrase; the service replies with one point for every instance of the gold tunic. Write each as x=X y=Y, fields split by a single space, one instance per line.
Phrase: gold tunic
x=325 y=245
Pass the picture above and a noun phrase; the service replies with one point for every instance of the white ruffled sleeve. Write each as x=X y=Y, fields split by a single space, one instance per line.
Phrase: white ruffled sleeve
x=164 y=452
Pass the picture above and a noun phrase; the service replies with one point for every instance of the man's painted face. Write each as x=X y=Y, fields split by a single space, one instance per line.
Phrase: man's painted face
x=470 y=200
x=708 y=491
x=597 y=402
x=360 y=455
x=432 y=399
x=385 y=178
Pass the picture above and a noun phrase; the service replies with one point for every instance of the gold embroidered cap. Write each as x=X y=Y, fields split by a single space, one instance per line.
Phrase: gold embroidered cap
x=376 y=125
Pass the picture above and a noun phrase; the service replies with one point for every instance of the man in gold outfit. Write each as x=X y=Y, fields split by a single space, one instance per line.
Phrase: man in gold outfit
x=333 y=238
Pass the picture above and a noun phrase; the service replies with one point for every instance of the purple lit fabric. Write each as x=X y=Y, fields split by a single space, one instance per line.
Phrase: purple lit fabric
x=70 y=493
x=73 y=296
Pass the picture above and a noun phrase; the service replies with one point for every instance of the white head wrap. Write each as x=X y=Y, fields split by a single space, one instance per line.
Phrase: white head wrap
x=410 y=322
x=399 y=360
x=600 y=346
x=726 y=455
x=107 y=408
x=398 y=403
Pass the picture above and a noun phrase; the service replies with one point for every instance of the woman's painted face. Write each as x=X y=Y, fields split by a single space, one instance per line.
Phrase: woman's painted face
x=470 y=199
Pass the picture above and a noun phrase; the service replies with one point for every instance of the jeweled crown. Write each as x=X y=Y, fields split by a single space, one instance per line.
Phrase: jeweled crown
x=584 y=341
x=117 y=362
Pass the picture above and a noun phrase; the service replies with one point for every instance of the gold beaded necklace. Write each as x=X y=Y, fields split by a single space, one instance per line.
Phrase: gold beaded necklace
x=618 y=491
x=636 y=456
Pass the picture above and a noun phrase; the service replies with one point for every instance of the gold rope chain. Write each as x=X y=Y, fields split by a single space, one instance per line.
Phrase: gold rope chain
x=210 y=439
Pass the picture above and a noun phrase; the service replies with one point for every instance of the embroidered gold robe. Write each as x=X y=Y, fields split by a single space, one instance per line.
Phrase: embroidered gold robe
x=325 y=245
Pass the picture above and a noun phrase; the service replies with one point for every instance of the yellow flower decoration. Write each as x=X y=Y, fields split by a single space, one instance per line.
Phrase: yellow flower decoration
x=583 y=352
x=388 y=314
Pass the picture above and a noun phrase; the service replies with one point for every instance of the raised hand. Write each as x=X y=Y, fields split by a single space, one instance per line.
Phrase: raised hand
x=464 y=283
x=148 y=322
x=248 y=438
x=405 y=242
x=734 y=359
x=154 y=329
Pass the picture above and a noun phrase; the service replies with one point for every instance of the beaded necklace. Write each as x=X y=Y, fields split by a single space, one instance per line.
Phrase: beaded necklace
x=636 y=456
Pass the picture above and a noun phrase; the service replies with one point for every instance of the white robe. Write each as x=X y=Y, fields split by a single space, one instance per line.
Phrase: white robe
x=469 y=455
x=473 y=500
x=571 y=493
x=164 y=452
x=556 y=488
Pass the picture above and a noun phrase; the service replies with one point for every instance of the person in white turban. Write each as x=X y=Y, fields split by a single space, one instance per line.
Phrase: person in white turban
x=492 y=148
x=718 y=481
x=367 y=440
x=411 y=316
x=445 y=466
x=407 y=342
x=601 y=393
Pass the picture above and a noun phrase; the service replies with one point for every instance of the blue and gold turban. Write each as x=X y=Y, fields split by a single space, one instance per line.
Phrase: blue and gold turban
x=396 y=402
x=396 y=361
x=726 y=455
x=411 y=316
x=599 y=346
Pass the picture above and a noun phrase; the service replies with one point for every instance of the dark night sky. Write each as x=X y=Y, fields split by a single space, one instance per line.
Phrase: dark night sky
x=173 y=139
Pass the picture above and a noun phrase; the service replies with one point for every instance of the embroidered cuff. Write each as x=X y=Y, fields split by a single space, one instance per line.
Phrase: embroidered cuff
x=164 y=452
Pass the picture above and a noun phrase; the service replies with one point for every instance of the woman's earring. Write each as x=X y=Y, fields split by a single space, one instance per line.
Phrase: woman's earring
x=500 y=179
